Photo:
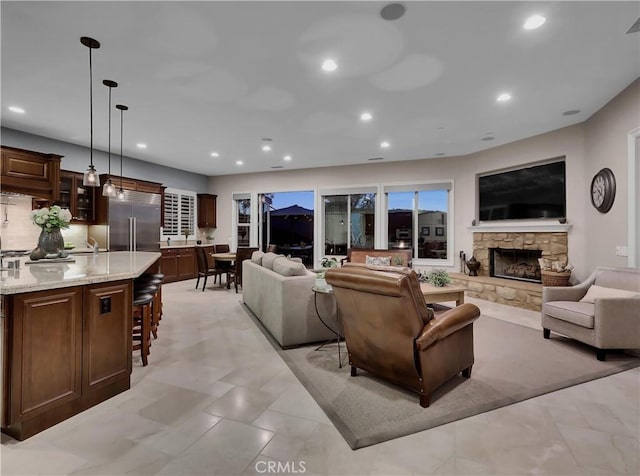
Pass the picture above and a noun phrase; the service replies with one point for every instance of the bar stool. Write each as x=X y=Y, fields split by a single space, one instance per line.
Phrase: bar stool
x=142 y=324
x=153 y=290
x=156 y=279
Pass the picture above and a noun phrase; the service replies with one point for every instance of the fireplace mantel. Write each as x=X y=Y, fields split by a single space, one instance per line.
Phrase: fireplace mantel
x=520 y=228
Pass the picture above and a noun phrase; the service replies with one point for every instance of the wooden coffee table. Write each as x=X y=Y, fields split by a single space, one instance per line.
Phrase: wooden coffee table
x=450 y=292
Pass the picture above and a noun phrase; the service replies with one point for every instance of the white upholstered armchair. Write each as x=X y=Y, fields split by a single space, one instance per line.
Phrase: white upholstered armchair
x=603 y=311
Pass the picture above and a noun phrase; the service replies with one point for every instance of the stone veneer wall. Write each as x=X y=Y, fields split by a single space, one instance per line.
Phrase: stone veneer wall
x=552 y=244
x=504 y=291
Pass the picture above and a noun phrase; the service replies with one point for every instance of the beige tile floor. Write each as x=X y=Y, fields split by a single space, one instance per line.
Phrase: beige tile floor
x=216 y=399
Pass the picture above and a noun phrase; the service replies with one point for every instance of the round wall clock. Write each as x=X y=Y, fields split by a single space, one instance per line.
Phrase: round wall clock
x=603 y=190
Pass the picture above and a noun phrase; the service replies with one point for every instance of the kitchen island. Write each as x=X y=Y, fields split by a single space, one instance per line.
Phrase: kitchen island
x=66 y=334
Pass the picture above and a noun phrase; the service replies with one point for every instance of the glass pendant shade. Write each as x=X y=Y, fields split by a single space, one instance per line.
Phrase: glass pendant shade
x=109 y=190
x=121 y=195
x=91 y=177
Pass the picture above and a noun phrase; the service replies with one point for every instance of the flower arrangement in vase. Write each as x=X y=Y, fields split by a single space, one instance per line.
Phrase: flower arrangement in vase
x=51 y=221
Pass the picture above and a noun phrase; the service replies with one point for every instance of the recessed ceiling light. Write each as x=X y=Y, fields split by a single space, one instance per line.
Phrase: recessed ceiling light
x=287 y=158
x=533 y=22
x=384 y=144
x=366 y=116
x=215 y=154
x=239 y=162
x=329 y=65
x=266 y=144
x=503 y=97
x=571 y=112
x=140 y=145
x=17 y=109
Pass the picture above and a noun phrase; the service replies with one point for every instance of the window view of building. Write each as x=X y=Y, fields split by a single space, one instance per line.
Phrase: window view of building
x=287 y=223
x=349 y=222
x=419 y=220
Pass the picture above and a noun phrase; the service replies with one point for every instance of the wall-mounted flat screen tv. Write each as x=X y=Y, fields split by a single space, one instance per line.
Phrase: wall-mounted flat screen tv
x=538 y=191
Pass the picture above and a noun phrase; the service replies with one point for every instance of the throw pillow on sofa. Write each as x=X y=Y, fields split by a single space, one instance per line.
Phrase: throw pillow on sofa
x=597 y=292
x=256 y=257
x=267 y=260
x=378 y=260
x=286 y=267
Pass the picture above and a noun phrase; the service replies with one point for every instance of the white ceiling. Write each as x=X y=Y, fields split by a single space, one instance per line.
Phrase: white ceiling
x=220 y=76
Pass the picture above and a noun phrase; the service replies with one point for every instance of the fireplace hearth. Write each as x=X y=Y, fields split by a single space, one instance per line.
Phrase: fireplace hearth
x=521 y=265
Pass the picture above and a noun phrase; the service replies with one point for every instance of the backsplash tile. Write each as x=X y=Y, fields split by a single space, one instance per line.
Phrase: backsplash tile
x=20 y=233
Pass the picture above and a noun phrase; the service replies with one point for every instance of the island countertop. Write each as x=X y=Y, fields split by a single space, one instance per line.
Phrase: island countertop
x=87 y=269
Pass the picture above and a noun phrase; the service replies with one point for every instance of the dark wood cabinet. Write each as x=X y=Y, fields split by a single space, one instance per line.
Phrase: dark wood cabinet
x=65 y=350
x=30 y=173
x=132 y=184
x=179 y=264
x=106 y=335
x=207 y=210
x=76 y=197
x=186 y=263
x=45 y=337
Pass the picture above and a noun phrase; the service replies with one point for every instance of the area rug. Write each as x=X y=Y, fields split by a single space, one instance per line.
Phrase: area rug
x=512 y=363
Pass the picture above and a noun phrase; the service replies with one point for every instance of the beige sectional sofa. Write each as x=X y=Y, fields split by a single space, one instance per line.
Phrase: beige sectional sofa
x=278 y=291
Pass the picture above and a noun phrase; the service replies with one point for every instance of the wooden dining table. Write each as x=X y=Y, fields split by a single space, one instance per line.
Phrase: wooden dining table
x=227 y=258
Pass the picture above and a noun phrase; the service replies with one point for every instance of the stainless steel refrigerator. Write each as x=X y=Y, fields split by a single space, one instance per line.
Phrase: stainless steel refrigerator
x=134 y=223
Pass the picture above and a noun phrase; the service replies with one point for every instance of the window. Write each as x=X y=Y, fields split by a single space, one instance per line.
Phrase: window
x=243 y=219
x=179 y=213
x=418 y=218
x=349 y=220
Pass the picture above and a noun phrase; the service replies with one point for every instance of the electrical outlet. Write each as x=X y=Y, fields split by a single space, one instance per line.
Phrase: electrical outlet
x=622 y=251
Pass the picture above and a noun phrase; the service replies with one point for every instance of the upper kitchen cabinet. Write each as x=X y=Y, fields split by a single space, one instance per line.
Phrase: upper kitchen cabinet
x=132 y=184
x=207 y=210
x=76 y=197
x=30 y=173
x=102 y=202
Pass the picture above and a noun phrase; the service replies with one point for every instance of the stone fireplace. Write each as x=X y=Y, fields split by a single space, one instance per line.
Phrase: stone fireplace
x=550 y=245
x=504 y=256
x=509 y=263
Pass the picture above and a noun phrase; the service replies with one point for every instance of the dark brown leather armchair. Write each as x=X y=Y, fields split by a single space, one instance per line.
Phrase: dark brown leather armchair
x=390 y=332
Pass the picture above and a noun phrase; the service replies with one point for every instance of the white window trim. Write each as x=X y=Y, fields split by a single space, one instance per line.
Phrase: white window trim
x=190 y=193
x=447 y=184
x=253 y=217
x=350 y=190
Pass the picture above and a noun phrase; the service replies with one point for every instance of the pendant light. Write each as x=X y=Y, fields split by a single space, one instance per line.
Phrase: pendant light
x=122 y=108
x=91 y=178
x=109 y=190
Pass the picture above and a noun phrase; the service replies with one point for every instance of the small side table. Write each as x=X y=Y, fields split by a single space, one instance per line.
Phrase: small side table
x=328 y=290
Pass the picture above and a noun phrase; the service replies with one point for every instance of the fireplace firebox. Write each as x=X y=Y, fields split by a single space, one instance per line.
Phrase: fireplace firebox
x=521 y=265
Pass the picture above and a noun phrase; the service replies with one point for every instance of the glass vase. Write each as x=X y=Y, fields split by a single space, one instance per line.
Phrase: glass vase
x=51 y=242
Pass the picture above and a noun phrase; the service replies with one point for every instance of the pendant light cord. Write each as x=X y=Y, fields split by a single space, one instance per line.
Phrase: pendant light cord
x=121 y=119
x=91 y=106
x=109 y=148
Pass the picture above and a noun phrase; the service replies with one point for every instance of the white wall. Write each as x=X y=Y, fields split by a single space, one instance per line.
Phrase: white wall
x=598 y=142
x=607 y=146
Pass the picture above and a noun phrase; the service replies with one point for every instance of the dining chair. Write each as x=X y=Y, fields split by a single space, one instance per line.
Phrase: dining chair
x=242 y=253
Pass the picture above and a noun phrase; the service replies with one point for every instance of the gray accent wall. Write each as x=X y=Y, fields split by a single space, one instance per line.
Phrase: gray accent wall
x=76 y=158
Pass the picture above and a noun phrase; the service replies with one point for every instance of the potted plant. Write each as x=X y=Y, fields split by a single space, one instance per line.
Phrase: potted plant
x=325 y=264
x=437 y=277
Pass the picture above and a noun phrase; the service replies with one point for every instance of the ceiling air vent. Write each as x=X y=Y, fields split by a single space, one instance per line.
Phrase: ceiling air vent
x=376 y=158
x=277 y=167
x=635 y=28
